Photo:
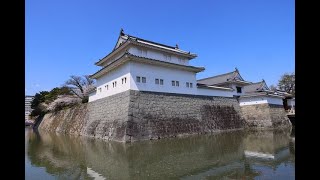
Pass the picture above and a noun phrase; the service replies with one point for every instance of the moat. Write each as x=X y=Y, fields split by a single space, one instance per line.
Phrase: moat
x=268 y=154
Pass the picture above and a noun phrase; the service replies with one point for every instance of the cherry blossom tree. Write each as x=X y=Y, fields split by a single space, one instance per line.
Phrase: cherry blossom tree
x=80 y=86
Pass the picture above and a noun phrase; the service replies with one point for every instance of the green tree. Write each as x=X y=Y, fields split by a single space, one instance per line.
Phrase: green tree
x=37 y=104
x=39 y=98
x=44 y=98
x=287 y=83
x=55 y=92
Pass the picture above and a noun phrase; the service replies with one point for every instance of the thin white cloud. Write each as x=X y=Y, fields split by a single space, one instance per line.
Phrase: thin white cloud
x=36 y=85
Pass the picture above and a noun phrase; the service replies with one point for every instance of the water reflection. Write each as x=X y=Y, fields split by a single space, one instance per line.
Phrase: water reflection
x=236 y=155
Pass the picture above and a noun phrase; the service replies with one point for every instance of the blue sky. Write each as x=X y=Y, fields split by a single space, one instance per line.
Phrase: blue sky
x=64 y=38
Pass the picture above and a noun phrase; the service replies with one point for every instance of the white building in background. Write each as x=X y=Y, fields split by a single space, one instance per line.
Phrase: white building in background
x=231 y=80
x=142 y=65
x=27 y=112
x=248 y=93
x=259 y=93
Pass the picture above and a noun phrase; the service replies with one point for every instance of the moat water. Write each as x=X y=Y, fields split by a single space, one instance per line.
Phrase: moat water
x=230 y=155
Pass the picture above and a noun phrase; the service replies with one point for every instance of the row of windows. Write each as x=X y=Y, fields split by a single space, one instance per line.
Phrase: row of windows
x=160 y=82
x=114 y=84
x=141 y=79
x=175 y=83
x=189 y=84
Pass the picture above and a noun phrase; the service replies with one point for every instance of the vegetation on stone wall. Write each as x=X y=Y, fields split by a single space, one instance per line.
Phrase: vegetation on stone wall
x=72 y=92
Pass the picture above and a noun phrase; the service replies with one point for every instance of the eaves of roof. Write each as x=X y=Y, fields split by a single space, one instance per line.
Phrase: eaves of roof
x=225 y=74
x=233 y=82
x=101 y=61
x=263 y=93
x=128 y=56
x=214 y=87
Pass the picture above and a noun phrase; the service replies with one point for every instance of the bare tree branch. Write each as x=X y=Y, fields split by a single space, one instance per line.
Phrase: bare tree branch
x=80 y=86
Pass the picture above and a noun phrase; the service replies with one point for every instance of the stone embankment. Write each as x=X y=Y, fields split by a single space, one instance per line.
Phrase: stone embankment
x=137 y=115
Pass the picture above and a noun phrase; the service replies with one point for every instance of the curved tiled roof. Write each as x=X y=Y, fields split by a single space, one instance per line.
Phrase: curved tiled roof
x=223 y=78
x=134 y=39
x=255 y=87
x=144 y=60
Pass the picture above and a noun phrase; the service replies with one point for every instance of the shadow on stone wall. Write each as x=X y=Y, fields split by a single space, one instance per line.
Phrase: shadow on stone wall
x=221 y=117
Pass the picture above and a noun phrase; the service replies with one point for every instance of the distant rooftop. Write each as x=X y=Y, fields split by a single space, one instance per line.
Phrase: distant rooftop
x=255 y=87
x=233 y=76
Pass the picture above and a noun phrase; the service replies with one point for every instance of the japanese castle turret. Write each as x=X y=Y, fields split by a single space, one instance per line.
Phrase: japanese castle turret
x=143 y=65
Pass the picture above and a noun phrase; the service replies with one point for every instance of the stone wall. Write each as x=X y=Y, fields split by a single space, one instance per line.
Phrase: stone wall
x=278 y=115
x=138 y=115
x=104 y=118
x=107 y=117
x=265 y=116
x=68 y=121
x=156 y=115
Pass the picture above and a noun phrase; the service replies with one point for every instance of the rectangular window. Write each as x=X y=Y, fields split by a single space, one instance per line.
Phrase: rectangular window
x=190 y=85
x=167 y=57
x=187 y=84
x=124 y=80
x=113 y=84
x=173 y=83
x=107 y=87
x=142 y=52
x=177 y=83
x=238 y=89
x=161 y=81
x=99 y=89
x=157 y=81
x=144 y=80
x=138 y=79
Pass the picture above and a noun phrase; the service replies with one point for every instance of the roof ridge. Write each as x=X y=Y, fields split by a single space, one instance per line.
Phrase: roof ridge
x=111 y=52
x=149 y=41
x=129 y=54
x=254 y=83
x=216 y=76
